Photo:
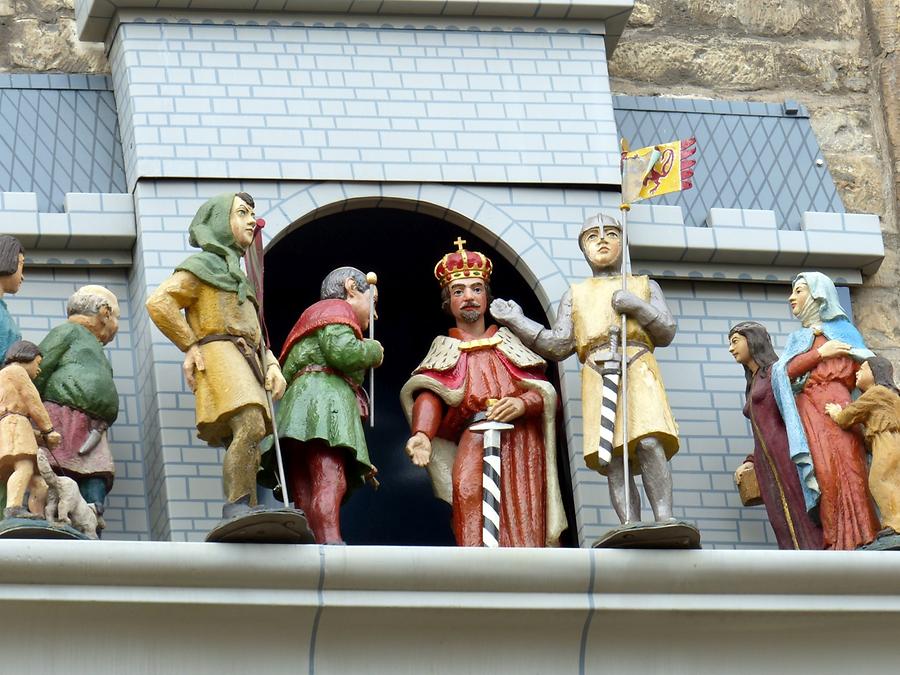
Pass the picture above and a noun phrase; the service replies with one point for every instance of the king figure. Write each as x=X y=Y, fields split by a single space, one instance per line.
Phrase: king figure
x=480 y=371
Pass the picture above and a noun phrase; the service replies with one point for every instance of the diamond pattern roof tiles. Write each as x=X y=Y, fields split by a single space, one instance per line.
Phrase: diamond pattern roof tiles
x=58 y=134
x=750 y=155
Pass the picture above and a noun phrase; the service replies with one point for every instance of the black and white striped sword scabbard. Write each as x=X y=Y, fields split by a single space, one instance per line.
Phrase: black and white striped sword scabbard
x=490 y=479
x=610 y=371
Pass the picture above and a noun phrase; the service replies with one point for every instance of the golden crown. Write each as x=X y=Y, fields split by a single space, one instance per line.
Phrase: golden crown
x=462 y=264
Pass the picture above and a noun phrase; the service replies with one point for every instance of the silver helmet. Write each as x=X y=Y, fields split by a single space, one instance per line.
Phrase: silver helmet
x=599 y=221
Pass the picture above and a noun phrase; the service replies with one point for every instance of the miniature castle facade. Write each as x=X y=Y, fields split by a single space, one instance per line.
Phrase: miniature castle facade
x=497 y=119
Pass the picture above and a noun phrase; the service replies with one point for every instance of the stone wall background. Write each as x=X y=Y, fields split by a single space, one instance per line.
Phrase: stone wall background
x=837 y=57
x=40 y=35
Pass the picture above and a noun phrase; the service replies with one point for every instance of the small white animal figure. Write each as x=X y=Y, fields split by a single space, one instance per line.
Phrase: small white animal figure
x=65 y=505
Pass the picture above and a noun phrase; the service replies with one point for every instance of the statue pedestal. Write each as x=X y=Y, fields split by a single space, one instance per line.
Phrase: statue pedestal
x=266 y=526
x=675 y=534
x=31 y=528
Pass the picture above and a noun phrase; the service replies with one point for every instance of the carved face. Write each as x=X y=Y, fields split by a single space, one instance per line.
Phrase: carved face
x=33 y=367
x=468 y=300
x=602 y=249
x=739 y=348
x=243 y=222
x=864 y=377
x=11 y=283
x=799 y=296
x=107 y=323
x=359 y=302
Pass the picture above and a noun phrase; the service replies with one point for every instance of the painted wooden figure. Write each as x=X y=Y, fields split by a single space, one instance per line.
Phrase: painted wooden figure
x=325 y=357
x=77 y=386
x=23 y=420
x=587 y=324
x=818 y=366
x=878 y=410
x=12 y=262
x=776 y=475
x=208 y=309
x=481 y=369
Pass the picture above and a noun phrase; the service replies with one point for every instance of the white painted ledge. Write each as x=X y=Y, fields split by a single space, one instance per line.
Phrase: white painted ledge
x=201 y=608
x=94 y=230
x=94 y=17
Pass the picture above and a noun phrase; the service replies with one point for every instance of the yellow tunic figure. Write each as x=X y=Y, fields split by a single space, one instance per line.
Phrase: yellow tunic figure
x=20 y=408
x=228 y=383
x=648 y=411
x=207 y=308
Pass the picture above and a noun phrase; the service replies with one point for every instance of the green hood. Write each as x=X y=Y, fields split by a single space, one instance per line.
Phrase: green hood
x=220 y=263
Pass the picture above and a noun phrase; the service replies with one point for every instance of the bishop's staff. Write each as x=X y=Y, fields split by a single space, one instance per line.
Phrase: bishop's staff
x=646 y=172
x=253 y=259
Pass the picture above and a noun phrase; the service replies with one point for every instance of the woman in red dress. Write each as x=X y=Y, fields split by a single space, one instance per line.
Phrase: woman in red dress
x=819 y=365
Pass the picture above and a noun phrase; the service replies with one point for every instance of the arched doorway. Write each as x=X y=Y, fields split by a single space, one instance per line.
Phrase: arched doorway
x=402 y=247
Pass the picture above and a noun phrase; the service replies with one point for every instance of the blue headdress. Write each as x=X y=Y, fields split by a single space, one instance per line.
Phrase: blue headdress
x=832 y=322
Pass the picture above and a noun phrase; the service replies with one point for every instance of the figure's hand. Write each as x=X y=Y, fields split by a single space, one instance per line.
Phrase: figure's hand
x=418 y=448
x=380 y=353
x=744 y=468
x=833 y=410
x=275 y=382
x=506 y=409
x=834 y=348
x=193 y=363
x=506 y=311
x=53 y=439
x=626 y=302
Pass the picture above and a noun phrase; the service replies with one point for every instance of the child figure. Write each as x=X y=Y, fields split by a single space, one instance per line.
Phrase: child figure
x=878 y=409
x=20 y=408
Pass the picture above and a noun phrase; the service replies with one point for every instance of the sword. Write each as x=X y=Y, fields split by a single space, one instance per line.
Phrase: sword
x=490 y=479
x=93 y=439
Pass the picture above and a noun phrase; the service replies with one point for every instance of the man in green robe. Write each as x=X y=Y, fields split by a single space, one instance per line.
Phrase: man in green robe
x=324 y=359
x=77 y=387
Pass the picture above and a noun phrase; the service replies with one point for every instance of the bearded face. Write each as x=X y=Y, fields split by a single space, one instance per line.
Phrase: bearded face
x=468 y=300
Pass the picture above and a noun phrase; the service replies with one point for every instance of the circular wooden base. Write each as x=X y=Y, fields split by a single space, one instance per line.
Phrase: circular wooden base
x=266 y=526
x=674 y=534
x=27 y=528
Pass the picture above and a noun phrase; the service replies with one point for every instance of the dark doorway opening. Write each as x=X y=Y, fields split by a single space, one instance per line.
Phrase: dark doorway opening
x=402 y=247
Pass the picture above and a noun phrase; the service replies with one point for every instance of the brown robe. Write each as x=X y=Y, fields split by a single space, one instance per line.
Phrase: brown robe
x=879 y=410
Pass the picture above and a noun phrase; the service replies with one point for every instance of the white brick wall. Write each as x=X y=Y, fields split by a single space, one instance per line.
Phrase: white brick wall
x=362 y=103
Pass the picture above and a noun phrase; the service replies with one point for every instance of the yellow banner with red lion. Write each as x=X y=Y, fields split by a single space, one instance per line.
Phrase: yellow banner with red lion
x=657 y=169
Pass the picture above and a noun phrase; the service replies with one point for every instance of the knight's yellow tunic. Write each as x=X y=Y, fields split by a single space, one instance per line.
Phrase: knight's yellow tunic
x=648 y=407
x=228 y=384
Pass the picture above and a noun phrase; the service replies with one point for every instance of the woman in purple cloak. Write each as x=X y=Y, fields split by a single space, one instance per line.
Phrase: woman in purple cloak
x=779 y=482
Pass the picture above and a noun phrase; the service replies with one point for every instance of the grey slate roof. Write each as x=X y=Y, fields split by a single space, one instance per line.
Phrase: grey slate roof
x=750 y=155
x=58 y=134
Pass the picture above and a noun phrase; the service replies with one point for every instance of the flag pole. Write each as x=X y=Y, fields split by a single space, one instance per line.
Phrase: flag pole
x=255 y=260
x=626 y=468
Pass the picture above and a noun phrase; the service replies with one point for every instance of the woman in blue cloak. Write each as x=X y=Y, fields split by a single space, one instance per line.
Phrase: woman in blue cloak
x=818 y=366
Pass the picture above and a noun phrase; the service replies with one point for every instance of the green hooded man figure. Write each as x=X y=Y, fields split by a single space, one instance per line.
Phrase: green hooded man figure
x=207 y=308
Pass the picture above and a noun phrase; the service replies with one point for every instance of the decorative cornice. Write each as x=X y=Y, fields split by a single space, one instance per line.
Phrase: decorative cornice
x=215 y=608
x=95 y=17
